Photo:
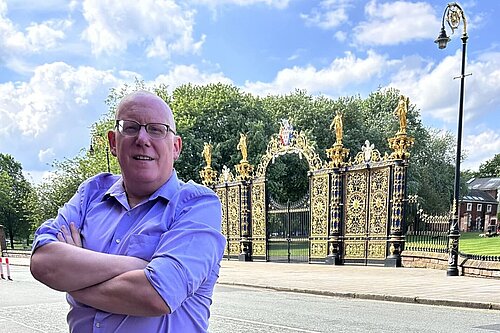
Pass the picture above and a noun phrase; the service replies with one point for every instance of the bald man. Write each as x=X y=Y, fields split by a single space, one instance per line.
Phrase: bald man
x=140 y=251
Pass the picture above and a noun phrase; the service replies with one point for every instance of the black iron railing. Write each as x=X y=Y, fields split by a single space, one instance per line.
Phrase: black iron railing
x=424 y=232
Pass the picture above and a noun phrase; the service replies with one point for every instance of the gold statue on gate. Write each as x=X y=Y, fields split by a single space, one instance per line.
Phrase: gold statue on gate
x=242 y=146
x=401 y=112
x=337 y=124
x=207 y=153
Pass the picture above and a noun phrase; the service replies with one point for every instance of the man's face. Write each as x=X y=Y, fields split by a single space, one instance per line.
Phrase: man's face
x=146 y=163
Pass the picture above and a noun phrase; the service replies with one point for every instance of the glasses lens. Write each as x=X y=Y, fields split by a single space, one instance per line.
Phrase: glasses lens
x=157 y=131
x=132 y=128
x=128 y=128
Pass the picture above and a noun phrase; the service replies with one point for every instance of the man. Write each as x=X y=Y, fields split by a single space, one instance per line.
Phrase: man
x=138 y=252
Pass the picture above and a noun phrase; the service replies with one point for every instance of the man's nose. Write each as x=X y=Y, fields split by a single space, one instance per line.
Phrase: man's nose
x=143 y=135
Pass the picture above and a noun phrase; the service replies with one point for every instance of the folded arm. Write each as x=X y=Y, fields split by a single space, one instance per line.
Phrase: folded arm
x=129 y=293
x=66 y=266
x=111 y=283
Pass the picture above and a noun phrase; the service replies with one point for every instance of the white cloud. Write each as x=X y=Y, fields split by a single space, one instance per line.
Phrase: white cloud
x=342 y=72
x=280 y=4
x=341 y=36
x=46 y=155
x=183 y=74
x=489 y=143
x=37 y=37
x=160 y=27
x=433 y=89
x=51 y=113
x=392 y=23
x=329 y=15
x=37 y=177
x=55 y=90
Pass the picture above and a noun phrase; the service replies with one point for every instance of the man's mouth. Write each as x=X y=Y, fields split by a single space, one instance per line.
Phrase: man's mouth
x=142 y=158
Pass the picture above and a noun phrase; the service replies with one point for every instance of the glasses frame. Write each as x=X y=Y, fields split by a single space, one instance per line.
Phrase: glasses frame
x=119 y=124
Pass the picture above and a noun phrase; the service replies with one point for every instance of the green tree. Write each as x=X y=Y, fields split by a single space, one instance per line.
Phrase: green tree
x=218 y=113
x=14 y=194
x=490 y=168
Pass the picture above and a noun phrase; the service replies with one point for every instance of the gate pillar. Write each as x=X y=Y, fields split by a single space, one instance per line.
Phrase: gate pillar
x=337 y=155
x=400 y=144
x=334 y=240
x=244 y=171
x=245 y=240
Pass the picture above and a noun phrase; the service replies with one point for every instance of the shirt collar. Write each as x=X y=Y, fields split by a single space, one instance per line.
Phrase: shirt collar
x=165 y=191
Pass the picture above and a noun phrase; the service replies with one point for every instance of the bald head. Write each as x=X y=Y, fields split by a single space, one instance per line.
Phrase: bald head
x=134 y=100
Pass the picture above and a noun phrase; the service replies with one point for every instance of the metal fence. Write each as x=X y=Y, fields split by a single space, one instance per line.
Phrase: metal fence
x=427 y=233
x=479 y=257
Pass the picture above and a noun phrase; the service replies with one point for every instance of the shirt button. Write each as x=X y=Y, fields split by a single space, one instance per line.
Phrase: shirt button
x=117 y=241
x=97 y=325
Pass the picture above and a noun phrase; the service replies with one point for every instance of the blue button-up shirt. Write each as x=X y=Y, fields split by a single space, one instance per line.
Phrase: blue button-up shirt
x=177 y=231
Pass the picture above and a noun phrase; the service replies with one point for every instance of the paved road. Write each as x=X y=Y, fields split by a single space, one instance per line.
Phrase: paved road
x=27 y=306
x=239 y=310
x=409 y=285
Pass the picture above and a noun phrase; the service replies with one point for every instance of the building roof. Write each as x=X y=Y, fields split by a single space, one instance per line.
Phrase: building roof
x=491 y=183
x=478 y=196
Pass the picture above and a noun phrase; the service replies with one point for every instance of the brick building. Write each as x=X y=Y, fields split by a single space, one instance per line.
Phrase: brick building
x=479 y=208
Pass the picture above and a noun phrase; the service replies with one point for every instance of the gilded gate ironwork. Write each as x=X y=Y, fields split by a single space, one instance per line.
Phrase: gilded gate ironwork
x=259 y=220
x=319 y=216
x=367 y=218
x=294 y=219
x=355 y=208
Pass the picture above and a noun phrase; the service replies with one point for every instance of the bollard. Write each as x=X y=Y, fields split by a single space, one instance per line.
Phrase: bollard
x=8 y=269
x=1 y=269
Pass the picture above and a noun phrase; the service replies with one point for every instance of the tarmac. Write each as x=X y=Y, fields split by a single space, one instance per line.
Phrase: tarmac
x=408 y=285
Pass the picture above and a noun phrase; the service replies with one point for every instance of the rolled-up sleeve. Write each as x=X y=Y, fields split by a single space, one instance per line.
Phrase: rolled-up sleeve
x=189 y=252
x=70 y=212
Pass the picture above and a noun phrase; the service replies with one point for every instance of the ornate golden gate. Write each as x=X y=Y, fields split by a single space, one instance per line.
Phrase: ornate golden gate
x=366 y=212
x=356 y=206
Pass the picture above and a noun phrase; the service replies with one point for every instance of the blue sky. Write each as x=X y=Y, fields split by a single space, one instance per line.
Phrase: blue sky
x=58 y=60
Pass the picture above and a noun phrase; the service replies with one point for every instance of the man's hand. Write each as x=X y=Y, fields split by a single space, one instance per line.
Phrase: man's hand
x=71 y=236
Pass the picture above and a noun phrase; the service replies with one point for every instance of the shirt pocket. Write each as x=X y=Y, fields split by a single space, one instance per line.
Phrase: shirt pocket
x=142 y=246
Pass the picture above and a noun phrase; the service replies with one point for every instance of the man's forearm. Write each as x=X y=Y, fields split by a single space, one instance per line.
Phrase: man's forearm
x=129 y=293
x=66 y=267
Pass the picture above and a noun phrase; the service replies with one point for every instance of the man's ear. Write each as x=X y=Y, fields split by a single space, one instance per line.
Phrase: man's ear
x=177 y=147
x=112 y=142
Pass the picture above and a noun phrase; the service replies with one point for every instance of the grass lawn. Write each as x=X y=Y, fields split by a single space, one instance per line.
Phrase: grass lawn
x=471 y=243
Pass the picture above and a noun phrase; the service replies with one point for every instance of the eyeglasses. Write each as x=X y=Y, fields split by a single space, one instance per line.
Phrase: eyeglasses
x=132 y=128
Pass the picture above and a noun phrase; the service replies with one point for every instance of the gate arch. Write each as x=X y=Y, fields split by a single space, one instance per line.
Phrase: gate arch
x=287 y=225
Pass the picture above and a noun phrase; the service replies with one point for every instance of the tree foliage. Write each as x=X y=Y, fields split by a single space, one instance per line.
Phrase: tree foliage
x=218 y=113
x=490 y=168
x=15 y=195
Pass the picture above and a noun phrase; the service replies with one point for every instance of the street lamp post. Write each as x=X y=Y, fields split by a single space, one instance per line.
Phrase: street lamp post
x=91 y=149
x=453 y=15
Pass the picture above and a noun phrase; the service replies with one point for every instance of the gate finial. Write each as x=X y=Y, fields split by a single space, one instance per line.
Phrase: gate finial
x=242 y=146
x=338 y=126
x=208 y=175
x=207 y=153
x=401 y=142
x=401 y=112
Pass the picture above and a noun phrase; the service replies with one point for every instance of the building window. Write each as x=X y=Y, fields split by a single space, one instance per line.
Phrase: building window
x=469 y=206
x=488 y=209
x=479 y=207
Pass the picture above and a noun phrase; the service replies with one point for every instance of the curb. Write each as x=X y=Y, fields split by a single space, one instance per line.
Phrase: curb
x=377 y=297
